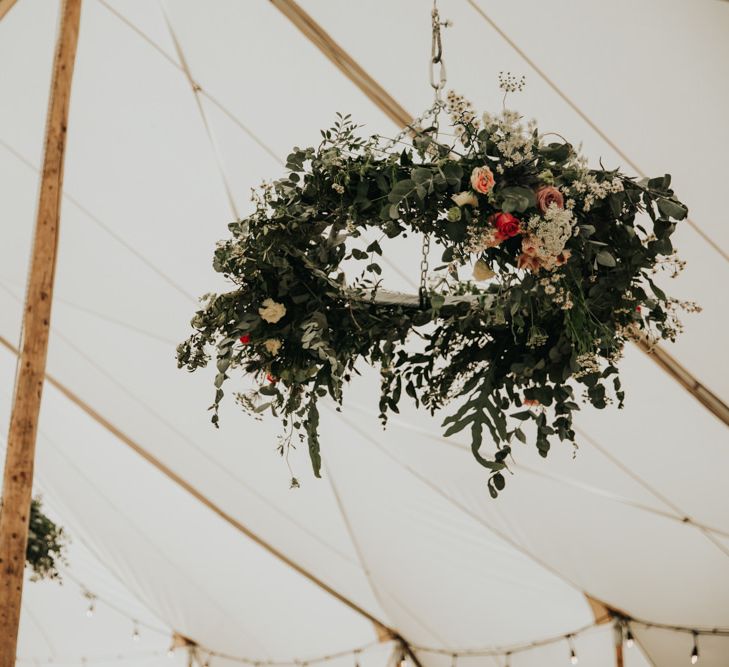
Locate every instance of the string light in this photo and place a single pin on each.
(573, 655)
(507, 661)
(695, 652)
(171, 653)
(356, 657)
(92, 603)
(629, 640)
(135, 632)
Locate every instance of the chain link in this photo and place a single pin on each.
(423, 291)
(437, 82)
(437, 66)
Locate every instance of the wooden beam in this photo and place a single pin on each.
(383, 297)
(381, 629)
(321, 39)
(683, 376)
(18, 476)
(5, 7)
(342, 60)
(605, 614)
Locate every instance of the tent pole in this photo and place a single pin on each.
(18, 476)
(5, 7)
(605, 614)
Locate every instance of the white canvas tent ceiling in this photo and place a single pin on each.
(402, 524)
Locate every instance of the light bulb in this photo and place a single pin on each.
(90, 610)
(629, 641)
(135, 635)
(573, 657)
(170, 654)
(695, 652)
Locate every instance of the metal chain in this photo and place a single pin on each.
(423, 291)
(438, 82)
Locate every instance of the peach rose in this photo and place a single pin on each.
(529, 263)
(548, 195)
(482, 179)
(563, 258)
(530, 246)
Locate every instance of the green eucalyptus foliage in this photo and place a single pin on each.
(487, 357)
(46, 544)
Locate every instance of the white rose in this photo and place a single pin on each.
(465, 198)
(272, 345)
(272, 311)
(482, 271)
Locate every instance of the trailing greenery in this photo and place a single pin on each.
(564, 259)
(46, 544)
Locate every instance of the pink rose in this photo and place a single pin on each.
(548, 195)
(506, 224)
(482, 179)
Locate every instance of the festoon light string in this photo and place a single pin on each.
(622, 623)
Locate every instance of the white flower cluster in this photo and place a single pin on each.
(560, 294)
(461, 113)
(514, 140)
(510, 83)
(589, 364)
(670, 264)
(552, 230)
(593, 190)
(480, 239)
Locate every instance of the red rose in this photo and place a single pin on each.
(245, 339)
(271, 378)
(506, 224)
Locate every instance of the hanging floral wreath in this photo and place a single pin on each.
(563, 263)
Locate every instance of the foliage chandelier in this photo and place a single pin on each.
(563, 260)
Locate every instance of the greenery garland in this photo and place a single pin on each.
(564, 259)
(46, 544)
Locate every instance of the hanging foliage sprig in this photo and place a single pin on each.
(46, 544)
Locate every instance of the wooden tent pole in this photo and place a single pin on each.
(5, 7)
(18, 476)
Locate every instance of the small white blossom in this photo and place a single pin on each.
(272, 345)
